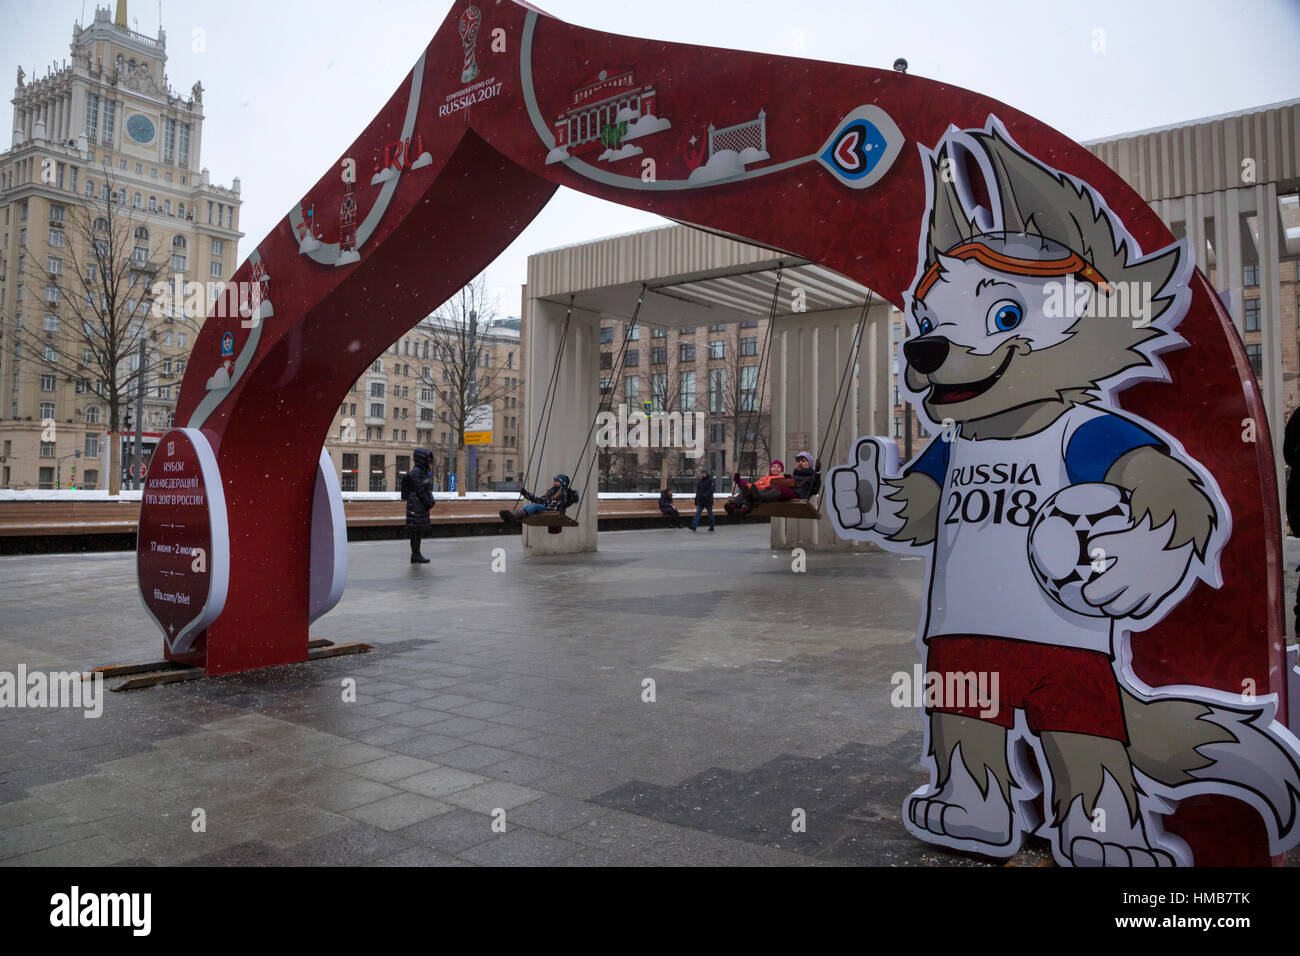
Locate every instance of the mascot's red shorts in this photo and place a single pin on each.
(1059, 688)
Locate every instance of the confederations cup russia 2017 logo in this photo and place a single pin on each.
(469, 24)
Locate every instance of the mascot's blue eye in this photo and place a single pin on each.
(1005, 316)
(925, 326)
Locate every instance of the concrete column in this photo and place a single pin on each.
(1194, 217)
(77, 114)
(1270, 318)
(877, 357)
(1230, 277)
(814, 351)
(574, 407)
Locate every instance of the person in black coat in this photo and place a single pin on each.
(667, 509)
(1291, 455)
(703, 498)
(417, 490)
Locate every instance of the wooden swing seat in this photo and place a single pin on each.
(553, 521)
(796, 508)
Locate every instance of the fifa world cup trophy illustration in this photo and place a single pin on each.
(470, 21)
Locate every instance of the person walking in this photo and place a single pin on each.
(703, 498)
(417, 490)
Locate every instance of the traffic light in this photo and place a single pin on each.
(72, 479)
(128, 418)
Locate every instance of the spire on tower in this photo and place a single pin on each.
(120, 18)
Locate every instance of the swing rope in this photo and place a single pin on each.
(761, 381)
(548, 405)
(615, 373)
(842, 392)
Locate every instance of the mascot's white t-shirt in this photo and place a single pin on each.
(981, 582)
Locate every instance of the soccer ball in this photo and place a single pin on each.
(1059, 554)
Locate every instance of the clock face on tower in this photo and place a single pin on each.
(140, 128)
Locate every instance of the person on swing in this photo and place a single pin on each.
(557, 498)
(775, 486)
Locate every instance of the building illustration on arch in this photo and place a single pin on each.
(610, 110)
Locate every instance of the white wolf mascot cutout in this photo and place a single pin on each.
(1055, 524)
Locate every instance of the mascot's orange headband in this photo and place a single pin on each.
(1073, 264)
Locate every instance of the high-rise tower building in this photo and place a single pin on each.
(103, 127)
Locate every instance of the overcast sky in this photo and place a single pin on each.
(290, 83)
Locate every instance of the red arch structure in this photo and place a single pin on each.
(499, 111)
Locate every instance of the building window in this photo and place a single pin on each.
(686, 352)
(377, 472)
(1250, 275)
(215, 270)
(1252, 315)
(46, 482)
(376, 410)
(658, 390)
(51, 323)
(376, 389)
(348, 475)
(48, 384)
(92, 116)
(606, 360)
(1255, 353)
(658, 334)
(717, 389)
(688, 392)
(686, 331)
(749, 346)
(632, 390)
(606, 335)
(92, 445)
(605, 386)
(218, 247)
(749, 388)
(633, 333)
(659, 355)
(92, 415)
(47, 449)
(717, 350)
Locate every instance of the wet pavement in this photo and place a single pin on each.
(502, 718)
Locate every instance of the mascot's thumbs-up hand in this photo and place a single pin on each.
(856, 488)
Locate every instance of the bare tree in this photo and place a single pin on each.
(98, 293)
(464, 358)
(741, 406)
(666, 393)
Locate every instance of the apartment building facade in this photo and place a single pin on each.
(408, 399)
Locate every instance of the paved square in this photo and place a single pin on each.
(512, 698)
